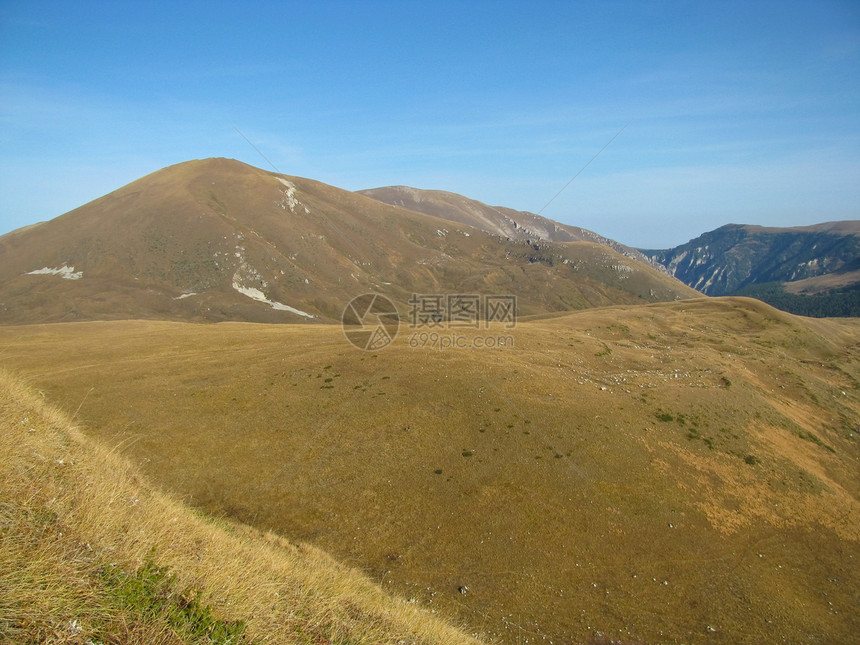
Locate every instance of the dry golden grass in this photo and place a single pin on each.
(649, 473)
(69, 508)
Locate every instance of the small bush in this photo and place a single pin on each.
(148, 592)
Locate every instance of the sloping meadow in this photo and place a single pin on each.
(673, 472)
(92, 554)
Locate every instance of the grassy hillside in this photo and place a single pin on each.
(89, 553)
(685, 472)
(498, 220)
(216, 239)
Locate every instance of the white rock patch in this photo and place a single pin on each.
(290, 200)
(255, 294)
(65, 272)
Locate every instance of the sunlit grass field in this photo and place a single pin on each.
(91, 554)
(682, 472)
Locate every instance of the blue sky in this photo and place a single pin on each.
(744, 112)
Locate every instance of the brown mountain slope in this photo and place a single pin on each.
(497, 220)
(671, 473)
(217, 239)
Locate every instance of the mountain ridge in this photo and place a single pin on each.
(804, 269)
(217, 239)
(498, 220)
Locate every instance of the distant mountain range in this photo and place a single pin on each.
(217, 239)
(810, 270)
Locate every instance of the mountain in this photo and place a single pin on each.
(217, 239)
(683, 472)
(497, 220)
(639, 472)
(806, 269)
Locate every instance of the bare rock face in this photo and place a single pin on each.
(810, 270)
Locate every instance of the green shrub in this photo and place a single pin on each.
(148, 593)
